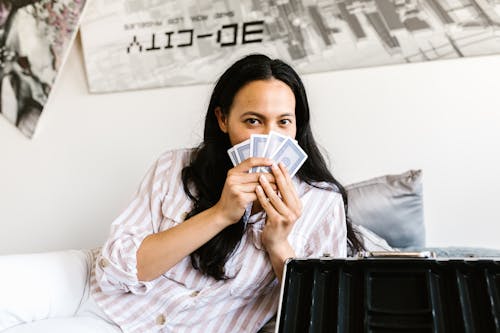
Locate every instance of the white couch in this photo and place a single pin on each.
(44, 292)
(48, 293)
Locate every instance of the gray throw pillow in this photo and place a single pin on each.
(391, 206)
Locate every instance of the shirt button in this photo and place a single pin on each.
(103, 263)
(194, 293)
(161, 320)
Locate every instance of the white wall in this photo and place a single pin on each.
(63, 188)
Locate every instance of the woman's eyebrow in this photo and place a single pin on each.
(252, 113)
(257, 114)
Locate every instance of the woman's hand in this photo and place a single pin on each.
(282, 210)
(240, 189)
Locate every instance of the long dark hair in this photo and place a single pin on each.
(210, 163)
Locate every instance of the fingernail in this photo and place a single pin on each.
(274, 166)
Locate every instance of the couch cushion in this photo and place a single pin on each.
(460, 251)
(391, 206)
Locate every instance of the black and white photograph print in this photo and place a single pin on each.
(136, 44)
(34, 39)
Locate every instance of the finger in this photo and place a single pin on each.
(269, 176)
(248, 178)
(289, 181)
(250, 187)
(251, 196)
(274, 199)
(246, 188)
(251, 162)
(285, 173)
(286, 189)
(244, 201)
(264, 201)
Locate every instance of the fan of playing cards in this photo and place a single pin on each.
(277, 147)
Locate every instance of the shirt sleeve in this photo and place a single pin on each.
(116, 265)
(330, 235)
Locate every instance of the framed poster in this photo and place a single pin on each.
(133, 44)
(35, 36)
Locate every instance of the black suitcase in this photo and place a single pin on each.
(387, 294)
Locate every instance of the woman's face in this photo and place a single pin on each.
(258, 108)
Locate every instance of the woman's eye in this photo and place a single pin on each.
(285, 121)
(252, 121)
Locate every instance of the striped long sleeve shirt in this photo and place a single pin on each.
(183, 300)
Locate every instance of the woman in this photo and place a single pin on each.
(183, 257)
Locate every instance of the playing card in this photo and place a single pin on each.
(233, 156)
(257, 146)
(291, 155)
(275, 146)
(242, 150)
(274, 140)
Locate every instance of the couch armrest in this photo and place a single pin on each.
(40, 286)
